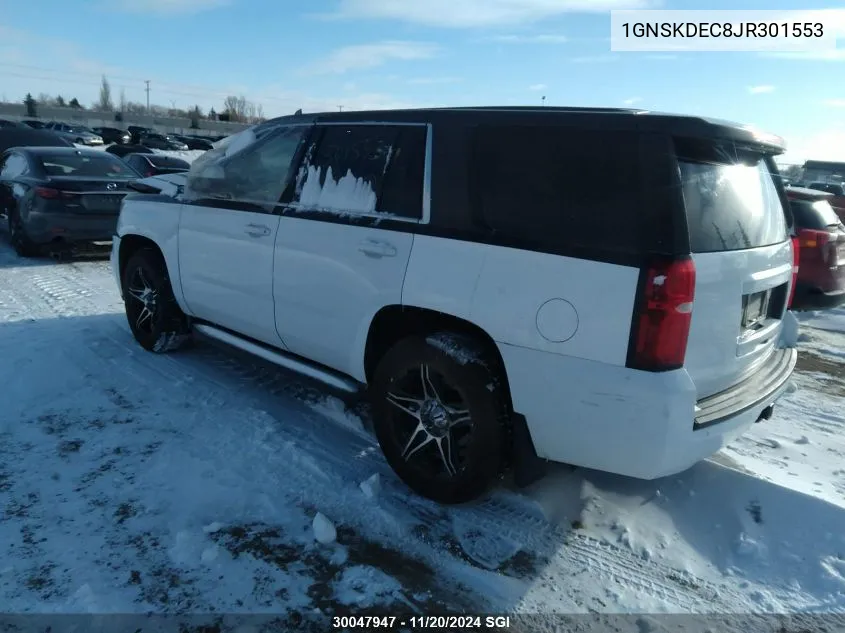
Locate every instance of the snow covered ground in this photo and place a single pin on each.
(205, 482)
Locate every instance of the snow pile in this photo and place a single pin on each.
(371, 486)
(346, 194)
(324, 529)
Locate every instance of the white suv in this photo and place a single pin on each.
(603, 288)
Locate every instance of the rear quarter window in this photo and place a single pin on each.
(813, 214)
(731, 200)
(559, 187)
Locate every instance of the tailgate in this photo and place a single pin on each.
(743, 262)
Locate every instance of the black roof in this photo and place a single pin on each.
(29, 137)
(42, 150)
(616, 118)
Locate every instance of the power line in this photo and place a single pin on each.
(61, 77)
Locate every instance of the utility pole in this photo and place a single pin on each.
(544, 101)
(340, 108)
(148, 94)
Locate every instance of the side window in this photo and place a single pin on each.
(559, 186)
(256, 174)
(364, 169)
(15, 165)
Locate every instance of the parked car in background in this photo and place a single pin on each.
(113, 135)
(27, 137)
(5, 123)
(162, 141)
(470, 326)
(821, 241)
(34, 124)
(78, 134)
(137, 131)
(124, 150)
(193, 142)
(837, 195)
(154, 164)
(59, 197)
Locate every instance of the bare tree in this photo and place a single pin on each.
(105, 103)
(236, 108)
(45, 99)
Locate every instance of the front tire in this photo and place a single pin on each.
(156, 320)
(23, 246)
(441, 417)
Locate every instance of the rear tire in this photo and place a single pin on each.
(441, 416)
(156, 320)
(23, 246)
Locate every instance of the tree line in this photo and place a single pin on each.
(237, 109)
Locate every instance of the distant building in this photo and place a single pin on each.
(823, 171)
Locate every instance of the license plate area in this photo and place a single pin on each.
(759, 307)
(102, 203)
(755, 308)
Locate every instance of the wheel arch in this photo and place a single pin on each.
(395, 322)
(131, 242)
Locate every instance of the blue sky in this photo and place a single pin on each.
(396, 53)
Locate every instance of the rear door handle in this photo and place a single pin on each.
(257, 230)
(377, 248)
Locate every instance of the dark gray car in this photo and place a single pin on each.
(60, 197)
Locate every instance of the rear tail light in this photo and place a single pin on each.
(824, 241)
(796, 256)
(664, 313)
(149, 173)
(48, 193)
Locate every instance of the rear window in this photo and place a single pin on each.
(811, 214)
(168, 161)
(731, 199)
(85, 166)
(560, 185)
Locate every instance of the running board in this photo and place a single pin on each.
(325, 376)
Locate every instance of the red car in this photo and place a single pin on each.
(821, 239)
(837, 198)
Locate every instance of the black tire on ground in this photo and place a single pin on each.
(23, 246)
(461, 377)
(156, 320)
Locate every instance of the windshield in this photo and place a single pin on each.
(84, 165)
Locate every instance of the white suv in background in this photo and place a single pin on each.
(603, 288)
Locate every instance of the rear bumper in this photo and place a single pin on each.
(754, 393)
(628, 422)
(809, 295)
(44, 228)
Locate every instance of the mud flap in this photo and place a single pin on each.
(789, 331)
(527, 466)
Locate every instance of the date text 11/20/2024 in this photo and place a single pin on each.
(421, 622)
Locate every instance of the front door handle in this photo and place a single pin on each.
(377, 248)
(257, 230)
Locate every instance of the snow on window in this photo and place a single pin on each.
(345, 194)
